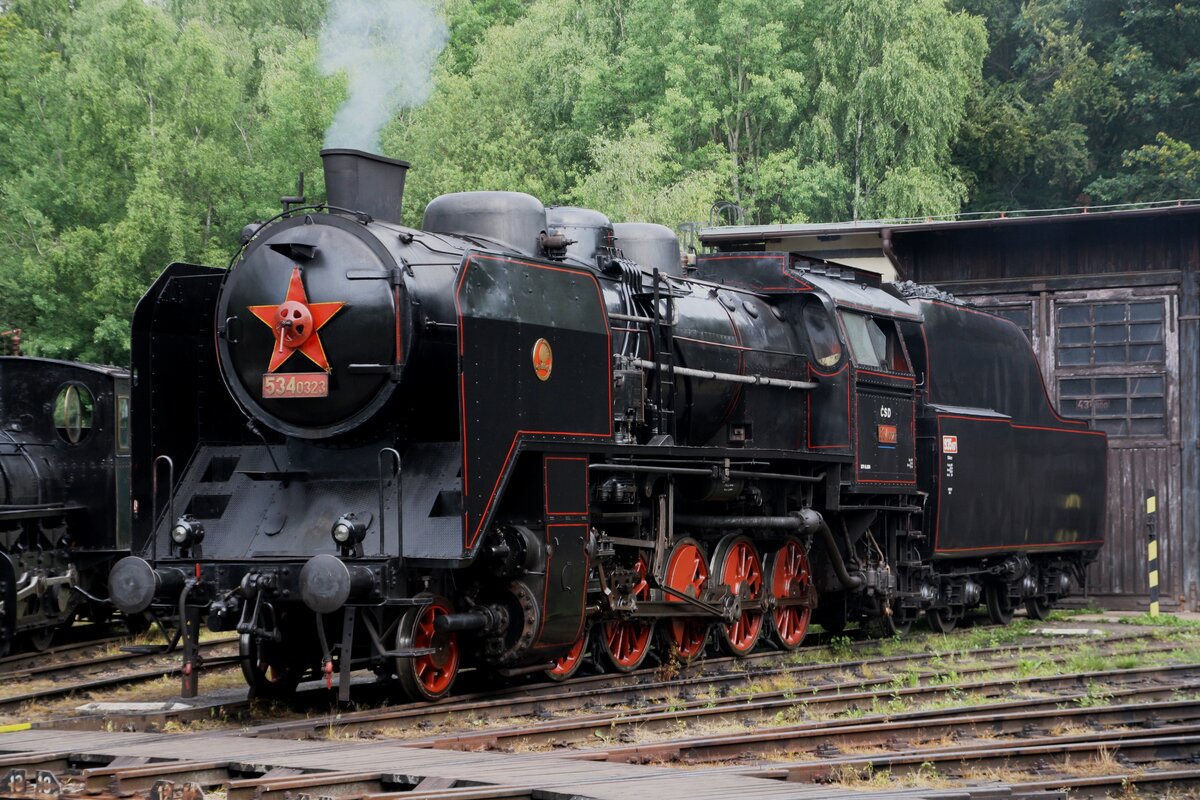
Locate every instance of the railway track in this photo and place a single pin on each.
(116, 669)
(24, 662)
(640, 686)
(619, 696)
(838, 698)
(953, 719)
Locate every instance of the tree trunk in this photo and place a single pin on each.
(858, 134)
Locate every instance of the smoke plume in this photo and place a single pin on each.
(387, 49)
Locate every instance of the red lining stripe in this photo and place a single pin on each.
(1029, 344)
(1016, 546)
(909, 378)
(546, 487)
(546, 587)
(1020, 427)
(839, 371)
(469, 536)
(937, 527)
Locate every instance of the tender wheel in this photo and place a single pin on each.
(269, 673)
(999, 604)
(687, 572)
(569, 662)
(40, 639)
(941, 620)
(1038, 608)
(737, 565)
(428, 676)
(789, 577)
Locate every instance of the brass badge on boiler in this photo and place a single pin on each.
(543, 359)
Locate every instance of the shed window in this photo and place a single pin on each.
(1021, 316)
(1096, 334)
(1133, 405)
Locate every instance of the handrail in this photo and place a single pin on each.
(154, 502)
(399, 502)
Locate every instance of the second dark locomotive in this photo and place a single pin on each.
(64, 493)
(481, 442)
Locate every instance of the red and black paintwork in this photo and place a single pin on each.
(994, 440)
(521, 442)
(64, 492)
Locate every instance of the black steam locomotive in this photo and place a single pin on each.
(64, 493)
(487, 440)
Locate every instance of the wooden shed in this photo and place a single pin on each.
(1110, 302)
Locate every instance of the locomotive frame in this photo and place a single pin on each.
(632, 453)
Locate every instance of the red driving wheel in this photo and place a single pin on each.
(737, 565)
(790, 577)
(686, 573)
(568, 663)
(428, 676)
(625, 642)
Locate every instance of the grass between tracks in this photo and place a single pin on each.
(949, 660)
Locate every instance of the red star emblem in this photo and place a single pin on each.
(296, 323)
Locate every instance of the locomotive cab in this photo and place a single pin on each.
(883, 385)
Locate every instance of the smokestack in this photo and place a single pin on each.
(365, 182)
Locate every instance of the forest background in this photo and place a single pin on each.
(136, 133)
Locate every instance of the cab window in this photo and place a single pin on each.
(73, 413)
(122, 423)
(822, 338)
(874, 342)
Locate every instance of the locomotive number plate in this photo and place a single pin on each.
(298, 385)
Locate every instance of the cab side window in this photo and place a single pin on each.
(874, 342)
(826, 349)
(73, 408)
(122, 423)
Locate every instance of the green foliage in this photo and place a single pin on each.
(134, 133)
(1083, 102)
(1161, 621)
(894, 78)
(1168, 168)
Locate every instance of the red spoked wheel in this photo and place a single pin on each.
(569, 662)
(430, 675)
(790, 577)
(687, 573)
(736, 564)
(625, 642)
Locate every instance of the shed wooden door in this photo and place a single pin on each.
(1112, 357)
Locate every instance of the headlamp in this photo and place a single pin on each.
(187, 531)
(348, 530)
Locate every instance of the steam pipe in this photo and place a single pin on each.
(806, 521)
(728, 377)
(815, 523)
(713, 521)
